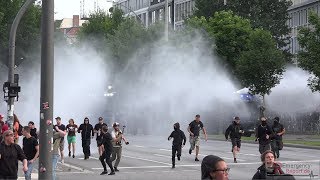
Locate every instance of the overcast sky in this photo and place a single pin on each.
(67, 8)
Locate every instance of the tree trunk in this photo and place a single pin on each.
(262, 107)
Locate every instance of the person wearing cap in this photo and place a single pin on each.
(214, 168)
(194, 129)
(276, 140)
(97, 131)
(87, 134)
(235, 132)
(62, 127)
(179, 140)
(264, 135)
(33, 129)
(10, 154)
(117, 138)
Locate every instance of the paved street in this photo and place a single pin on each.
(150, 158)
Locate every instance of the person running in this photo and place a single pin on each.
(263, 135)
(62, 127)
(106, 151)
(10, 154)
(117, 137)
(33, 129)
(57, 137)
(87, 133)
(276, 140)
(177, 144)
(30, 149)
(71, 129)
(194, 130)
(214, 167)
(97, 131)
(235, 132)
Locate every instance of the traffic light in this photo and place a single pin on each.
(11, 90)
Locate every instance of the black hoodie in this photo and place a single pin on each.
(177, 136)
(86, 130)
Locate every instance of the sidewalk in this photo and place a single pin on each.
(289, 140)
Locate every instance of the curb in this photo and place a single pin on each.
(285, 144)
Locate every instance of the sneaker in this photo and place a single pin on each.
(116, 169)
(112, 173)
(178, 158)
(173, 166)
(104, 172)
(69, 153)
(196, 159)
(190, 151)
(235, 161)
(73, 156)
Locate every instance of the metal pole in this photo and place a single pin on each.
(46, 96)
(166, 21)
(11, 62)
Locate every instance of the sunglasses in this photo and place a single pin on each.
(223, 170)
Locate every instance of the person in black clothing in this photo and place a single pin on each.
(276, 140)
(106, 140)
(194, 130)
(178, 136)
(263, 135)
(235, 132)
(97, 130)
(62, 127)
(30, 149)
(87, 133)
(33, 129)
(10, 153)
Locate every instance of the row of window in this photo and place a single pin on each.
(183, 10)
(300, 17)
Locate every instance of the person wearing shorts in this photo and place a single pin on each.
(97, 131)
(194, 130)
(235, 131)
(62, 127)
(71, 129)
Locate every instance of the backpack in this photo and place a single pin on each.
(20, 130)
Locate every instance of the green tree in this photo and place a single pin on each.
(309, 56)
(260, 68)
(28, 33)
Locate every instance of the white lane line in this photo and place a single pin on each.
(150, 167)
(247, 154)
(138, 146)
(165, 150)
(160, 155)
(223, 157)
(146, 160)
(73, 167)
(91, 157)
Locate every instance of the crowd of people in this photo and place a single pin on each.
(109, 146)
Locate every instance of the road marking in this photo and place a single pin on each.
(223, 157)
(150, 167)
(160, 155)
(146, 160)
(73, 167)
(165, 150)
(91, 157)
(138, 146)
(247, 154)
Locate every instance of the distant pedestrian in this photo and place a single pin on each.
(235, 132)
(269, 167)
(276, 140)
(117, 137)
(106, 151)
(33, 129)
(62, 127)
(71, 129)
(194, 129)
(263, 135)
(57, 137)
(97, 131)
(179, 140)
(214, 168)
(30, 149)
(10, 154)
(87, 134)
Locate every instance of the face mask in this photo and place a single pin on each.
(276, 122)
(263, 123)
